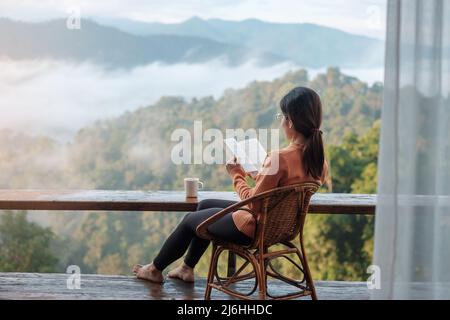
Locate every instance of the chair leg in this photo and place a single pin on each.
(313, 293)
(231, 264)
(262, 277)
(311, 284)
(210, 278)
(308, 276)
(310, 281)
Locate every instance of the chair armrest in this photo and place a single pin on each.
(201, 229)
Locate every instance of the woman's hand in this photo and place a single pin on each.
(233, 165)
(253, 174)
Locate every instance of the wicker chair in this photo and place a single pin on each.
(280, 221)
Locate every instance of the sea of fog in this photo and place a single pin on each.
(58, 98)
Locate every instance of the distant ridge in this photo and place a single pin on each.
(309, 45)
(119, 43)
(112, 47)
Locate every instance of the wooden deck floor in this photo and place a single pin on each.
(25, 286)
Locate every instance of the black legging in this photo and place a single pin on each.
(185, 235)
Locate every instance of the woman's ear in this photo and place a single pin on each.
(290, 124)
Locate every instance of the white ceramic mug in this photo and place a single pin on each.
(191, 186)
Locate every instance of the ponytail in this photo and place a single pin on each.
(314, 155)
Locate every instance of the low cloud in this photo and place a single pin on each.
(58, 98)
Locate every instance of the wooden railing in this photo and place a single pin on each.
(167, 201)
(118, 200)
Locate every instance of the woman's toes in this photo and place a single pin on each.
(182, 274)
(136, 268)
(172, 273)
(148, 273)
(175, 273)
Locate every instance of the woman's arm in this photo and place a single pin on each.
(265, 180)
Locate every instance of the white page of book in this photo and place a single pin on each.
(250, 153)
(255, 152)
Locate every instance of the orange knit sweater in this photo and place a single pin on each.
(290, 171)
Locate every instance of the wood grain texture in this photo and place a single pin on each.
(125, 200)
(48, 286)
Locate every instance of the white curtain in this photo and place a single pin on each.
(412, 223)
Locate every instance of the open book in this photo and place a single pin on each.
(249, 152)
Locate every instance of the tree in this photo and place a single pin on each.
(24, 246)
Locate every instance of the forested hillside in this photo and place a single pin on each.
(133, 152)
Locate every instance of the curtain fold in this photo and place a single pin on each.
(412, 223)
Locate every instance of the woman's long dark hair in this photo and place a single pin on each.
(304, 108)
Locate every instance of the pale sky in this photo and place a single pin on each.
(365, 17)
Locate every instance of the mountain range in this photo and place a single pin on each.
(121, 43)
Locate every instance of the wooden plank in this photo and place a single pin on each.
(47, 286)
(121, 200)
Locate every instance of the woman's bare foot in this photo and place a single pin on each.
(148, 272)
(183, 272)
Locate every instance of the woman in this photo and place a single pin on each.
(303, 160)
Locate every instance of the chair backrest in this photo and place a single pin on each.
(283, 213)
